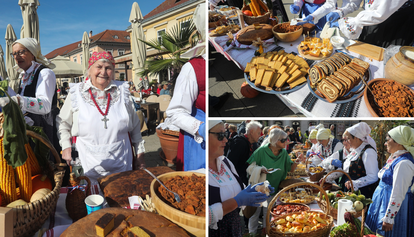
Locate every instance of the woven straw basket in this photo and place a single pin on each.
(333, 211)
(250, 20)
(29, 218)
(273, 232)
(313, 177)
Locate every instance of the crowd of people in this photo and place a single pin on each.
(244, 159)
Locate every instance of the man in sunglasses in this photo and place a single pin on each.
(241, 148)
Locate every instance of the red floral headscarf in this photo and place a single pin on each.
(99, 55)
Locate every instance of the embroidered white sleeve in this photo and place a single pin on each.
(369, 158)
(215, 212)
(373, 14)
(64, 121)
(180, 107)
(403, 175)
(45, 89)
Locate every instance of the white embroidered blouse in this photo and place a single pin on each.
(402, 176)
(376, 11)
(229, 188)
(370, 160)
(67, 120)
(180, 107)
(45, 89)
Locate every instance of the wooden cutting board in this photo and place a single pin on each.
(367, 50)
(153, 224)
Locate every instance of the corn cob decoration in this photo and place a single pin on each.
(7, 180)
(24, 180)
(32, 160)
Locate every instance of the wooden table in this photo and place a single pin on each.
(149, 106)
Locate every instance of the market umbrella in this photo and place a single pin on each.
(30, 28)
(3, 72)
(85, 51)
(139, 53)
(11, 72)
(66, 68)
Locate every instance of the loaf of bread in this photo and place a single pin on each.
(125, 219)
(307, 28)
(252, 32)
(337, 74)
(330, 92)
(118, 187)
(104, 225)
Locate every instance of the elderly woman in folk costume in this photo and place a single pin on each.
(361, 164)
(327, 145)
(391, 213)
(187, 107)
(37, 95)
(101, 115)
(335, 161)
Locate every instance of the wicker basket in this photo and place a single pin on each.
(315, 177)
(29, 218)
(334, 212)
(272, 232)
(250, 20)
(284, 204)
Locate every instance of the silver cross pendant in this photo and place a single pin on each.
(105, 120)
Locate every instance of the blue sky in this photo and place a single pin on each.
(63, 22)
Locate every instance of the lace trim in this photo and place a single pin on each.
(100, 96)
(73, 98)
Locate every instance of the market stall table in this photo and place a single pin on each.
(303, 100)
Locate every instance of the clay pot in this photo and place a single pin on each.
(169, 145)
(400, 67)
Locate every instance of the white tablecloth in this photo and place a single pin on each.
(303, 100)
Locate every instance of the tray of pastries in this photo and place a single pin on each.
(338, 78)
(315, 48)
(276, 72)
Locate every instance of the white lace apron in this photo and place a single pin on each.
(103, 151)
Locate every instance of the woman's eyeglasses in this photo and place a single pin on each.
(283, 140)
(220, 135)
(20, 53)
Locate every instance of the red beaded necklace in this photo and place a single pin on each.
(99, 109)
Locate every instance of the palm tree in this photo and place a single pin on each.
(171, 45)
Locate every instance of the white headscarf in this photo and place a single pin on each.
(34, 47)
(404, 136)
(362, 131)
(312, 134)
(199, 19)
(212, 123)
(323, 134)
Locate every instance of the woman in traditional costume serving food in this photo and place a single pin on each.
(226, 190)
(37, 94)
(382, 23)
(188, 104)
(270, 155)
(362, 163)
(103, 119)
(391, 213)
(327, 146)
(335, 160)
